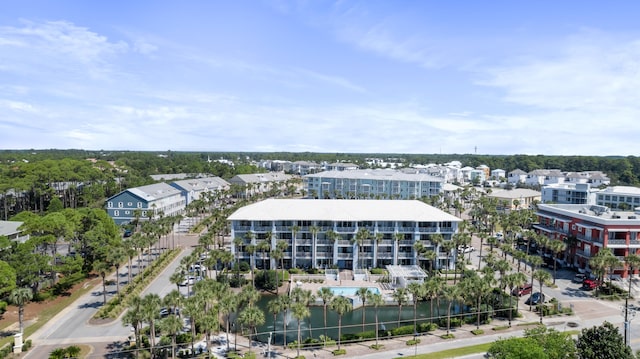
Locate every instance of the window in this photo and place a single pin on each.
(109, 204)
(129, 204)
(139, 204)
(127, 212)
(144, 213)
(116, 213)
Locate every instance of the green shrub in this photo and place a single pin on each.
(477, 331)
(376, 346)
(447, 336)
(378, 271)
(403, 330)
(415, 341)
(3, 306)
(502, 327)
(339, 352)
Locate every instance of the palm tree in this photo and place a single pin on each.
(134, 317)
(209, 322)
(228, 304)
(340, 305)
(274, 306)
(417, 292)
(172, 325)
(400, 296)
(151, 311)
(173, 300)
(314, 230)
(20, 297)
(376, 300)
(264, 247)
(534, 263)
(450, 294)
(299, 311)
(277, 255)
(543, 277)
(632, 261)
(294, 234)
(363, 293)
(326, 294)
(514, 280)
(362, 235)
(252, 317)
(282, 246)
(557, 247)
(102, 267)
(251, 249)
(115, 257)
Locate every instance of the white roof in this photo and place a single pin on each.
(8, 228)
(515, 193)
(377, 174)
(622, 190)
(154, 191)
(342, 210)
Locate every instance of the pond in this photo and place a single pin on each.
(313, 326)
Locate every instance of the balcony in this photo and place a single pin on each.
(345, 255)
(427, 229)
(582, 237)
(385, 255)
(617, 242)
(406, 229)
(405, 242)
(581, 253)
(303, 241)
(343, 242)
(346, 229)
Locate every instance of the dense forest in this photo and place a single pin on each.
(30, 178)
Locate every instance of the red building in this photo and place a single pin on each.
(588, 228)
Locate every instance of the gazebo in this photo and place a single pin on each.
(401, 276)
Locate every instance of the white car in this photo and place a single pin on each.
(499, 235)
(466, 249)
(190, 280)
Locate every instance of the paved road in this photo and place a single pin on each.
(71, 326)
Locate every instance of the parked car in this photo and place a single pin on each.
(166, 311)
(579, 278)
(190, 280)
(589, 284)
(499, 236)
(466, 249)
(128, 233)
(535, 299)
(522, 290)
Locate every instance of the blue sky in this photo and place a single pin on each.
(505, 77)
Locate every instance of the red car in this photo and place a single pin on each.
(589, 284)
(524, 290)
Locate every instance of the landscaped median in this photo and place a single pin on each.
(117, 305)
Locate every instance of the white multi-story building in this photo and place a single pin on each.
(325, 233)
(372, 184)
(569, 193)
(619, 197)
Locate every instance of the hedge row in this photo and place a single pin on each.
(116, 305)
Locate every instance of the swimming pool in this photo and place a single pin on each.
(351, 291)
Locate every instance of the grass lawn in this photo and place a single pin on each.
(454, 353)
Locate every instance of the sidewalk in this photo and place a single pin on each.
(429, 342)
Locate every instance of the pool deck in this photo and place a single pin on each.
(345, 279)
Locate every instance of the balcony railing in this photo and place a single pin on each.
(427, 229)
(346, 229)
(617, 242)
(345, 255)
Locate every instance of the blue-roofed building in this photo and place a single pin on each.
(152, 200)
